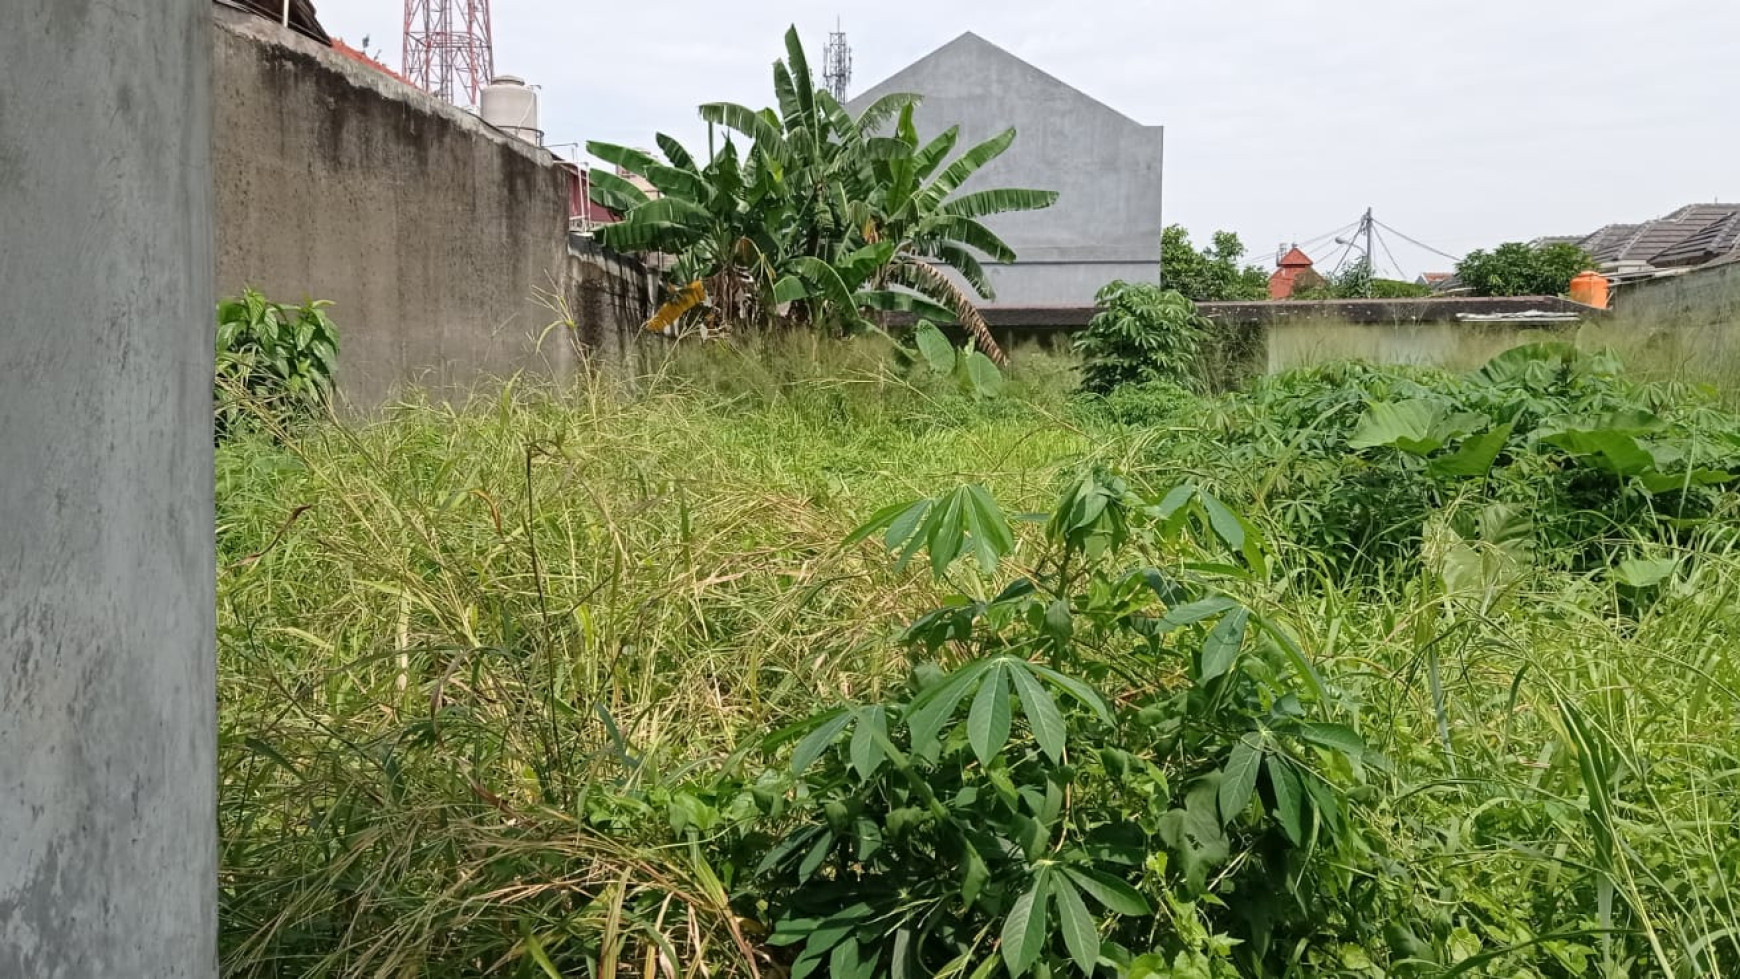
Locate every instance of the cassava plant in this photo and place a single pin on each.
(1111, 764)
(1141, 334)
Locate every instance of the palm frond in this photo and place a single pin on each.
(970, 233)
(878, 113)
(999, 200)
(742, 119)
(632, 160)
(608, 189)
(963, 262)
(969, 163)
(675, 153)
(931, 282)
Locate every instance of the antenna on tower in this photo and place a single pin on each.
(449, 51)
(837, 63)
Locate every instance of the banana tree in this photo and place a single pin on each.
(821, 219)
(937, 230)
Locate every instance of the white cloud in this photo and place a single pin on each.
(1463, 124)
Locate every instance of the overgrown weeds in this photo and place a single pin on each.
(497, 683)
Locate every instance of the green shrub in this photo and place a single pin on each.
(1142, 333)
(275, 363)
(584, 684)
(1123, 747)
(1362, 456)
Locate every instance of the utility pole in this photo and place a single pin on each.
(1367, 226)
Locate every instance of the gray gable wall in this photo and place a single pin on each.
(1105, 166)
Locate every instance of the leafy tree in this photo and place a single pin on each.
(1213, 274)
(1357, 282)
(1518, 269)
(1397, 289)
(821, 218)
(1142, 333)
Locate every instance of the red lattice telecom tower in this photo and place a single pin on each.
(448, 49)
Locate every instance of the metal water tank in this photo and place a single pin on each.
(509, 104)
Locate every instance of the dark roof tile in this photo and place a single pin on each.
(1717, 238)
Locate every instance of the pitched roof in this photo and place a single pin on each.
(1294, 259)
(970, 46)
(1718, 238)
(1644, 242)
(1606, 243)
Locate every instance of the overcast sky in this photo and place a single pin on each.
(1463, 124)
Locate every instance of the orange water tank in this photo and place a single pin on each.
(1590, 289)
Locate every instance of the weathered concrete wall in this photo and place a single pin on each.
(1456, 345)
(1105, 166)
(441, 242)
(107, 665)
(1708, 296)
(1685, 327)
(610, 298)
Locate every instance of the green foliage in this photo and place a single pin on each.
(972, 371)
(1397, 289)
(1518, 269)
(822, 218)
(1007, 814)
(1356, 281)
(1374, 453)
(275, 363)
(1212, 274)
(583, 683)
(1141, 334)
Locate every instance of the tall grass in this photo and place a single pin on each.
(470, 656)
(443, 630)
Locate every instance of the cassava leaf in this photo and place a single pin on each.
(817, 741)
(1221, 649)
(1239, 777)
(989, 718)
(1080, 934)
(1041, 712)
(1194, 612)
(867, 738)
(1339, 737)
(1289, 797)
(1113, 894)
(1223, 521)
(1024, 931)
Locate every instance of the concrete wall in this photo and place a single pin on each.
(610, 298)
(1455, 345)
(1702, 297)
(1106, 167)
(441, 242)
(1686, 326)
(107, 665)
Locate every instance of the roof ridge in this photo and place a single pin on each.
(980, 39)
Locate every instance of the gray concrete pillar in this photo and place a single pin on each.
(107, 670)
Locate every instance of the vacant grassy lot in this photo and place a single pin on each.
(495, 681)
